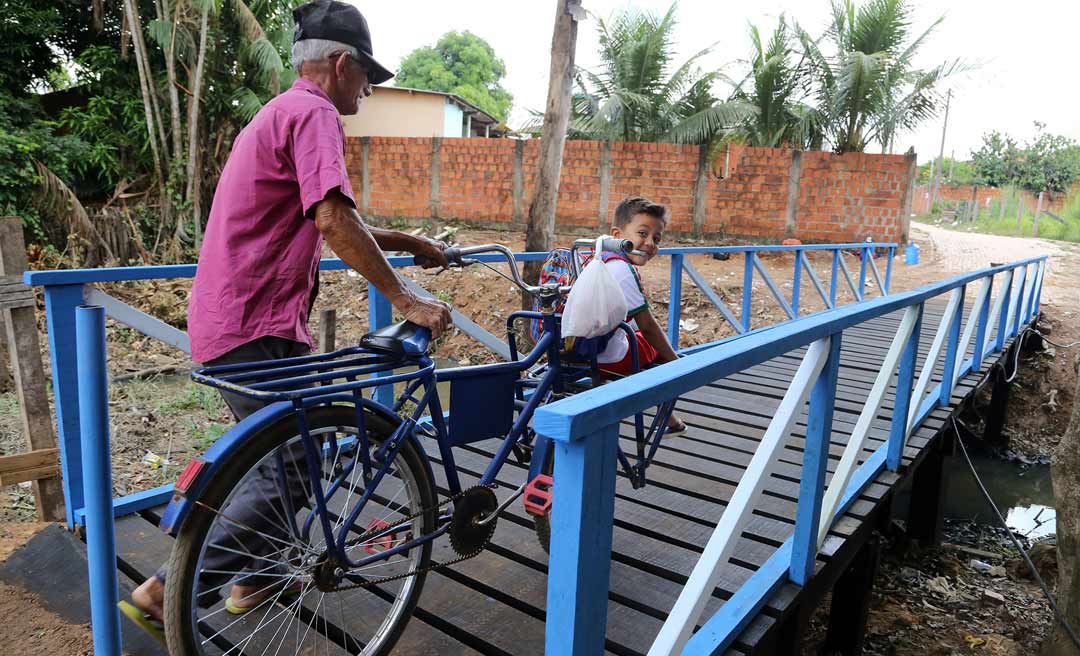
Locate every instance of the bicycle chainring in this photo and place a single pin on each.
(467, 537)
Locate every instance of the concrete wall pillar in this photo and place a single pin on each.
(791, 217)
(436, 142)
(701, 185)
(604, 219)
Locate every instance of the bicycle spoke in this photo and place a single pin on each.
(285, 611)
(216, 588)
(341, 611)
(273, 506)
(291, 610)
(249, 554)
(266, 536)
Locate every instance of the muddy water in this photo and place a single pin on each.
(1022, 493)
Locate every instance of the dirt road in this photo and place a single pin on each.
(953, 252)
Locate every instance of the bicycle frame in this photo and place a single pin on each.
(300, 388)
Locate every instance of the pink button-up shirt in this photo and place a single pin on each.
(259, 262)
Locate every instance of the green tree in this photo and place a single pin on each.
(155, 90)
(997, 161)
(463, 64)
(40, 36)
(30, 142)
(639, 94)
(1050, 162)
(773, 91)
(868, 88)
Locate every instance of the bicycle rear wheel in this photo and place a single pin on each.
(254, 527)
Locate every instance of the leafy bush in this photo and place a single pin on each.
(25, 137)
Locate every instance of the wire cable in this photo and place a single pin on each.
(1016, 358)
(1020, 342)
(1060, 346)
(1027, 559)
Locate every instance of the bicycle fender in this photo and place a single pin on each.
(237, 437)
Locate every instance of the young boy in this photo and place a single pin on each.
(642, 222)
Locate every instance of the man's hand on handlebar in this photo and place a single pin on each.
(427, 312)
(428, 253)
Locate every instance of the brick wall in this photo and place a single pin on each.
(763, 194)
(985, 196)
(853, 196)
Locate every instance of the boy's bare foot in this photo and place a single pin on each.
(150, 597)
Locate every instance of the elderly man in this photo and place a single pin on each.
(285, 189)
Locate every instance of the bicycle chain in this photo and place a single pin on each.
(422, 570)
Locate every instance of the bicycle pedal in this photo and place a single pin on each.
(537, 496)
(385, 542)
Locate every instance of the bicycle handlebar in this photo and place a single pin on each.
(607, 244)
(457, 255)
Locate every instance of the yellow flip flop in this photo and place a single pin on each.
(140, 619)
(286, 597)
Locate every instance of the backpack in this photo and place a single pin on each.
(557, 269)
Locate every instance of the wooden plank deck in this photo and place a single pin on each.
(494, 603)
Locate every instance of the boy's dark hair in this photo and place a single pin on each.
(634, 205)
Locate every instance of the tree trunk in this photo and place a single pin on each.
(170, 72)
(541, 226)
(193, 190)
(143, 59)
(159, 148)
(1065, 472)
(134, 26)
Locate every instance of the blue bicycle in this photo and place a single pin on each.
(322, 508)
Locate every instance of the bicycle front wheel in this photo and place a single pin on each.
(250, 571)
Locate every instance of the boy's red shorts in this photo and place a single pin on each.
(646, 355)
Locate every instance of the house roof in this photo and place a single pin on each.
(478, 115)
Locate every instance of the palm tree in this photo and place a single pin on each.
(868, 87)
(773, 91)
(639, 95)
(232, 80)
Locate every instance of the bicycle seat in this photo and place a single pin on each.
(401, 339)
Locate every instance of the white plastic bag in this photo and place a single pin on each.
(596, 305)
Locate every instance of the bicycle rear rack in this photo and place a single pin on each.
(293, 379)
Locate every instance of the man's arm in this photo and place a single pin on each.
(395, 240)
(351, 240)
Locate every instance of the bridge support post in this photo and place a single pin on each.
(851, 602)
(997, 410)
(926, 521)
(789, 639)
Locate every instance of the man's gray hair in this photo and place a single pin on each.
(316, 49)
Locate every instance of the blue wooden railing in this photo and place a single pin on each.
(67, 289)
(585, 428)
(82, 431)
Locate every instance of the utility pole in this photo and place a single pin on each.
(941, 154)
(541, 226)
(930, 186)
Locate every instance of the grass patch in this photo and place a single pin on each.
(193, 397)
(992, 220)
(203, 437)
(9, 404)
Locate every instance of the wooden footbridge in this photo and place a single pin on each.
(799, 433)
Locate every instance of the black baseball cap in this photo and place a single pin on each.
(341, 22)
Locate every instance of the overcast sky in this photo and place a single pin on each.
(1026, 53)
